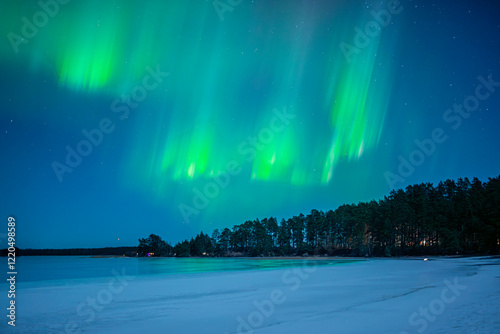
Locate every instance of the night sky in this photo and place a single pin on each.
(124, 118)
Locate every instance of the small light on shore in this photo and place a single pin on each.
(425, 259)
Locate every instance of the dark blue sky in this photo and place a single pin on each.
(188, 117)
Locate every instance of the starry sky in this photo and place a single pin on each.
(119, 119)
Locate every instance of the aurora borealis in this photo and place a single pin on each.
(265, 108)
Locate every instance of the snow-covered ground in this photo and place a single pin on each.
(455, 295)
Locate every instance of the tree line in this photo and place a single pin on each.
(454, 217)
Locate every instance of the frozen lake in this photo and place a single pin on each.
(63, 268)
(120, 295)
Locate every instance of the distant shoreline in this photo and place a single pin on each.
(293, 258)
(130, 252)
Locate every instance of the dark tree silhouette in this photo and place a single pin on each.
(454, 217)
